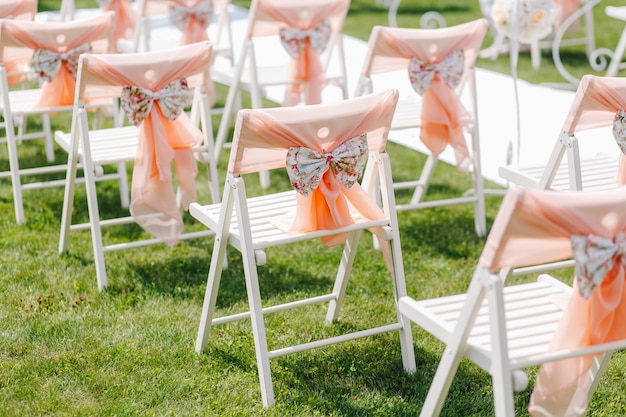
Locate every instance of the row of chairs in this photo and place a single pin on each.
(324, 148)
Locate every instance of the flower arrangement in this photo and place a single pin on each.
(535, 17)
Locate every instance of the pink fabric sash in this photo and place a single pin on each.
(198, 16)
(15, 59)
(125, 19)
(564, 9)
(262, 142)
(595, 105)
(444, 118)
(539, 229)
(57, 37)
(306, 68)
(161, 141)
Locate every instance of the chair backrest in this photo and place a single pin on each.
(599, 102)
(55, 48)
(191, 17)
(438, 63)
(154, 89)
(288, 137)
(539, 226)
(309, 31)
(18, 9)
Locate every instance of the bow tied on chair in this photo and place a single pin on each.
(619, 130)
(137, 102)
(294, 40)
(450, 70)
(595, 256)
(181, 15)
(306, 167)
(48, 63)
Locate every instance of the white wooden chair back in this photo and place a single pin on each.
(21, 40)
(447, 57)
(600, 102)
(309, 66)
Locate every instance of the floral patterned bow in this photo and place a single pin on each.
(595, 256)
(180, 15)
(137, 102)
(619, 130)
(47, 63)
(450, 70)
(294, 40)
(306, 166)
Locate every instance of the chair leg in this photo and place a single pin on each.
(14, 167)
(454, 351)
(210, 296)
(343, 275)
(47, 134)
(424, 181)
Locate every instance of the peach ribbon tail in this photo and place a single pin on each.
(562, 386)
(443, 122)
(60, 91)
(125, 20)
(153, 202)
(307, 69)
(327, 208)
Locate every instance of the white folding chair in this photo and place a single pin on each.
(53, 48)
(593, 111)
(154, 88)
(311, 35)
(505, 329)
(164, 24)
(437, 66)
(336, 139)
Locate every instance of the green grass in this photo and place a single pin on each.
(67, 349)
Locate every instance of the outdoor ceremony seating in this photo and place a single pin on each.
(53, 48)
(163, 142)
(504, 329)
(438, 109)
(311, 33)
(323, 148)
(599, 102)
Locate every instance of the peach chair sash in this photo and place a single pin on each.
(57, 37)
(599, 102)
(15, 59)
(444, 117)
(125, 18)
(271, 16)
(18, 9)
(162, 140)
(564, 9)
(536, 226)
(262, 141)
(191, 19)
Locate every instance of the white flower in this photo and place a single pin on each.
(535, 18)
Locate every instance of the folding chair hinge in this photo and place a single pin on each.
(566, 139)
(487, 279)
(98, 171)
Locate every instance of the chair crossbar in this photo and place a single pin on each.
(333, 340)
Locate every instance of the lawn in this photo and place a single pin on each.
(67, 349)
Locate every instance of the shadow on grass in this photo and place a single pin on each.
(368, 379)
